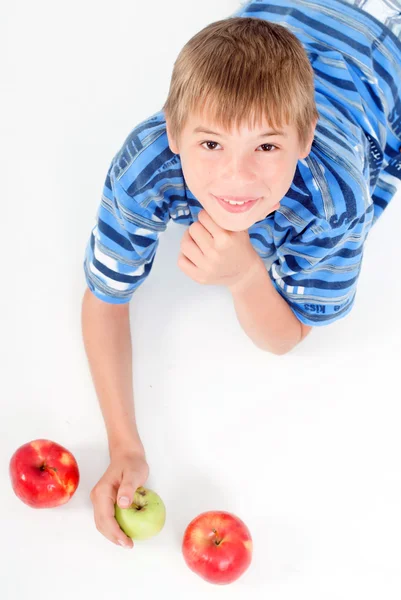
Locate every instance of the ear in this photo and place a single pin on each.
(171, 141)
(309, 142)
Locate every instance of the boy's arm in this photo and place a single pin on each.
(264, 315)
(107, 340)
(212, 255)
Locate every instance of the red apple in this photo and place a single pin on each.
(43, 474)
(217, 546)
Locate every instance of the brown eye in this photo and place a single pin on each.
(209, 142)
(268, 146)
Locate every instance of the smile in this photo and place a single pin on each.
(234, 206)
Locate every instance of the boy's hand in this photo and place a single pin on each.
(212, 255)
(127, 472)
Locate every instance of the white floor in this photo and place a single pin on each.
(305, 448)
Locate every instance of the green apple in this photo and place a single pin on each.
(144, 518)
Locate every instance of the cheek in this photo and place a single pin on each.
(197, 172)
(280, 168)
(281, 176)
(283, 182)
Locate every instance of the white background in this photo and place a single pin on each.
(305, 447)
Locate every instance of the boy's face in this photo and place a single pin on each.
(242, 163)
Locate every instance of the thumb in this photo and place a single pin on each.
(125, 494)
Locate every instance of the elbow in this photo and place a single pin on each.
(278, 351)
(305, 330)
(286, 346)
(282, 351)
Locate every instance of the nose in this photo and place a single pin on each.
(241, 170)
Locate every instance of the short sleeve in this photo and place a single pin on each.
(317, 271)
(120, 252)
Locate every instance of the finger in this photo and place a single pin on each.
(190, 249)
(201, 236)
(105, 517)
(127, 489)
(190, 269)
(206, 220)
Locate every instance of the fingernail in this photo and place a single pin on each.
(123, 544)
(123, 501)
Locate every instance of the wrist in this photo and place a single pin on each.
(252, 274)
(132, 445)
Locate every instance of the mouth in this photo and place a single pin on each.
(236, 207)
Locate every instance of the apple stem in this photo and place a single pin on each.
(44, 467)
(216, 541)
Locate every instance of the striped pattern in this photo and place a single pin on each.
(313, 245)
(386, 11)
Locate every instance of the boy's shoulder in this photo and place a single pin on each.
(150, 175)
(144, 153)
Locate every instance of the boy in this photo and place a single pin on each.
(279, 145)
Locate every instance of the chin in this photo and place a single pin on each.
(236, 224)
(239, 222)
(238, 227)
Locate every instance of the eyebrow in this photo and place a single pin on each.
(202, 129)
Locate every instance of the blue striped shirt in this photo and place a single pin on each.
(313, 244)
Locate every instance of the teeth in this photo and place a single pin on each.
(232, 202)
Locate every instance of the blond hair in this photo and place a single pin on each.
(243, 68)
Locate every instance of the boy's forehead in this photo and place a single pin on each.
(205, 123)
